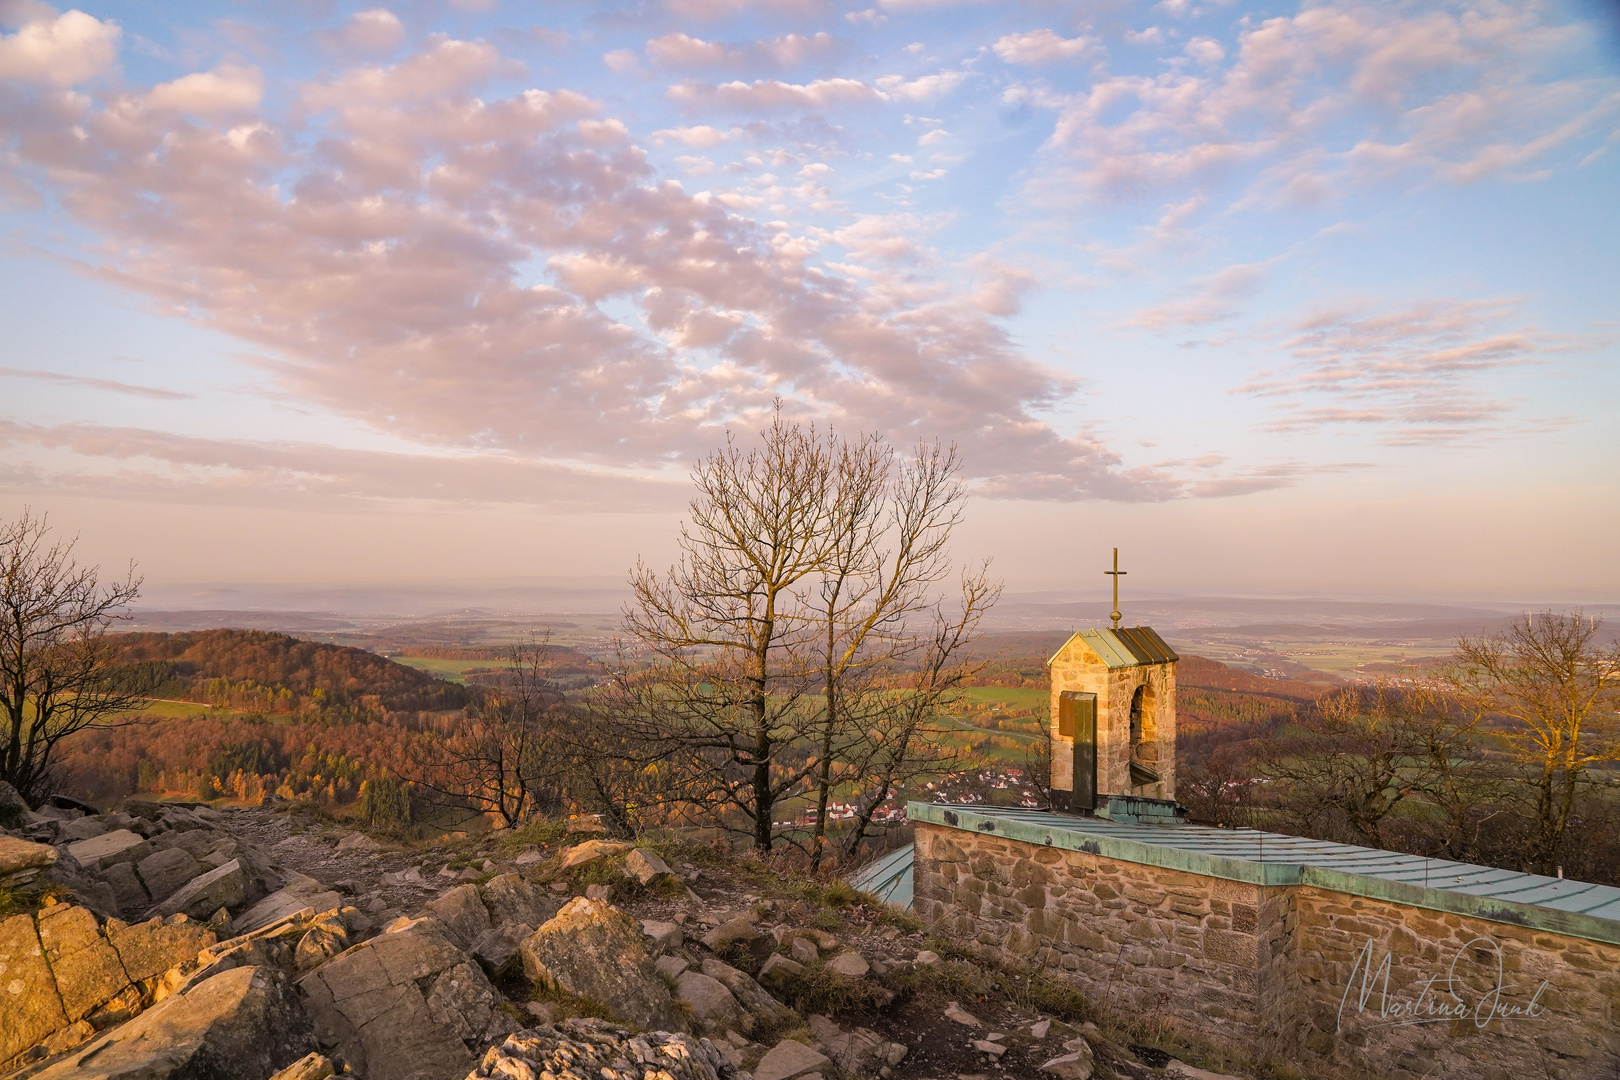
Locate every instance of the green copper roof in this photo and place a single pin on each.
(1560, 905)
(888, 877)
(1126, 646)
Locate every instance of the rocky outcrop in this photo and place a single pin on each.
(407, 1003)
(22, 861)
(239, 1025)
(591, 1048)
(65, 977)
(595, 951)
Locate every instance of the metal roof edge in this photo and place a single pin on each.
(1268, 873)
(1061, 647)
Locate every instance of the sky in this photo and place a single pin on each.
(1278, 298)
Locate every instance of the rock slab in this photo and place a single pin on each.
(595, 951)
(595, 1048)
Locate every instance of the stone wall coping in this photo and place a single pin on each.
(1562, 906)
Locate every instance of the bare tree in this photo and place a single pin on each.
(1557, 691)
(502, 757)
(890, 527)
(724, 697)
(55, 677)
(1358, 753)
(901, 743)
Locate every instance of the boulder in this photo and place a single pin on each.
(594, 1048)
(82, 829)
(670, 967)
(851, 965)
(30, 1009)
(665, 935)
(197, 843)
(778, 971)
(463, 914)
(754, 998)
(21, 861)
(495, 947)
(463, 1000)
(368, 1005)
(163, 872)
(804, 950)
(321, 942)
(595, 951)
(225, 887)
(738, 929)
(242, 1024)
(509, 898)
(646, 867)
(788, 1059)
(300, 892)
(120, 845)
(590, 851)
(128, 892)
(712, 1004)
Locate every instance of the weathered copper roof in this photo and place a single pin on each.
(1124, 647)
(1563, 905)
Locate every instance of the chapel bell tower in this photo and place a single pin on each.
(1113, 715)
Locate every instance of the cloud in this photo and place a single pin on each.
(96, 384)
(1041, 47)
(370, 34)
(228, 88)
(773, 94)
(702, 136)
(1211, 299)
(507, 277)
(1337, 93)
(1415, 374)
(922, 90)
(139, 463)
(680, 50)
(65, 51)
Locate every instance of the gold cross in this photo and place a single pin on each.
(1116, 573)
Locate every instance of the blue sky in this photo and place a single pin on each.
(1279, 297)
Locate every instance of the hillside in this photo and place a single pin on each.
(257, 670)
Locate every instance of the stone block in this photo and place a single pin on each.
(225, 887)
(150, 948)
(87, 969)
(108, 848)
(789, 1059)
(163, 872)
(30, 1008)
(463, 914)
(713, 1006)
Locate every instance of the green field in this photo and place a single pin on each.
(450, 670)
(1008, 697)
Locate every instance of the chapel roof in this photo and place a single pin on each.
(1123, 647)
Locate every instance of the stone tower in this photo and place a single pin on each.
(1113, 718)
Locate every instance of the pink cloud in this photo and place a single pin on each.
(434, 263)
(61, 52)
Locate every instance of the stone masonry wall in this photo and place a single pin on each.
(1242, 962)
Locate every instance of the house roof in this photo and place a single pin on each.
(1124, 647)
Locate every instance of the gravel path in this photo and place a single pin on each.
(379, 881)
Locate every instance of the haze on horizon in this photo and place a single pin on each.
(1279, 298)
